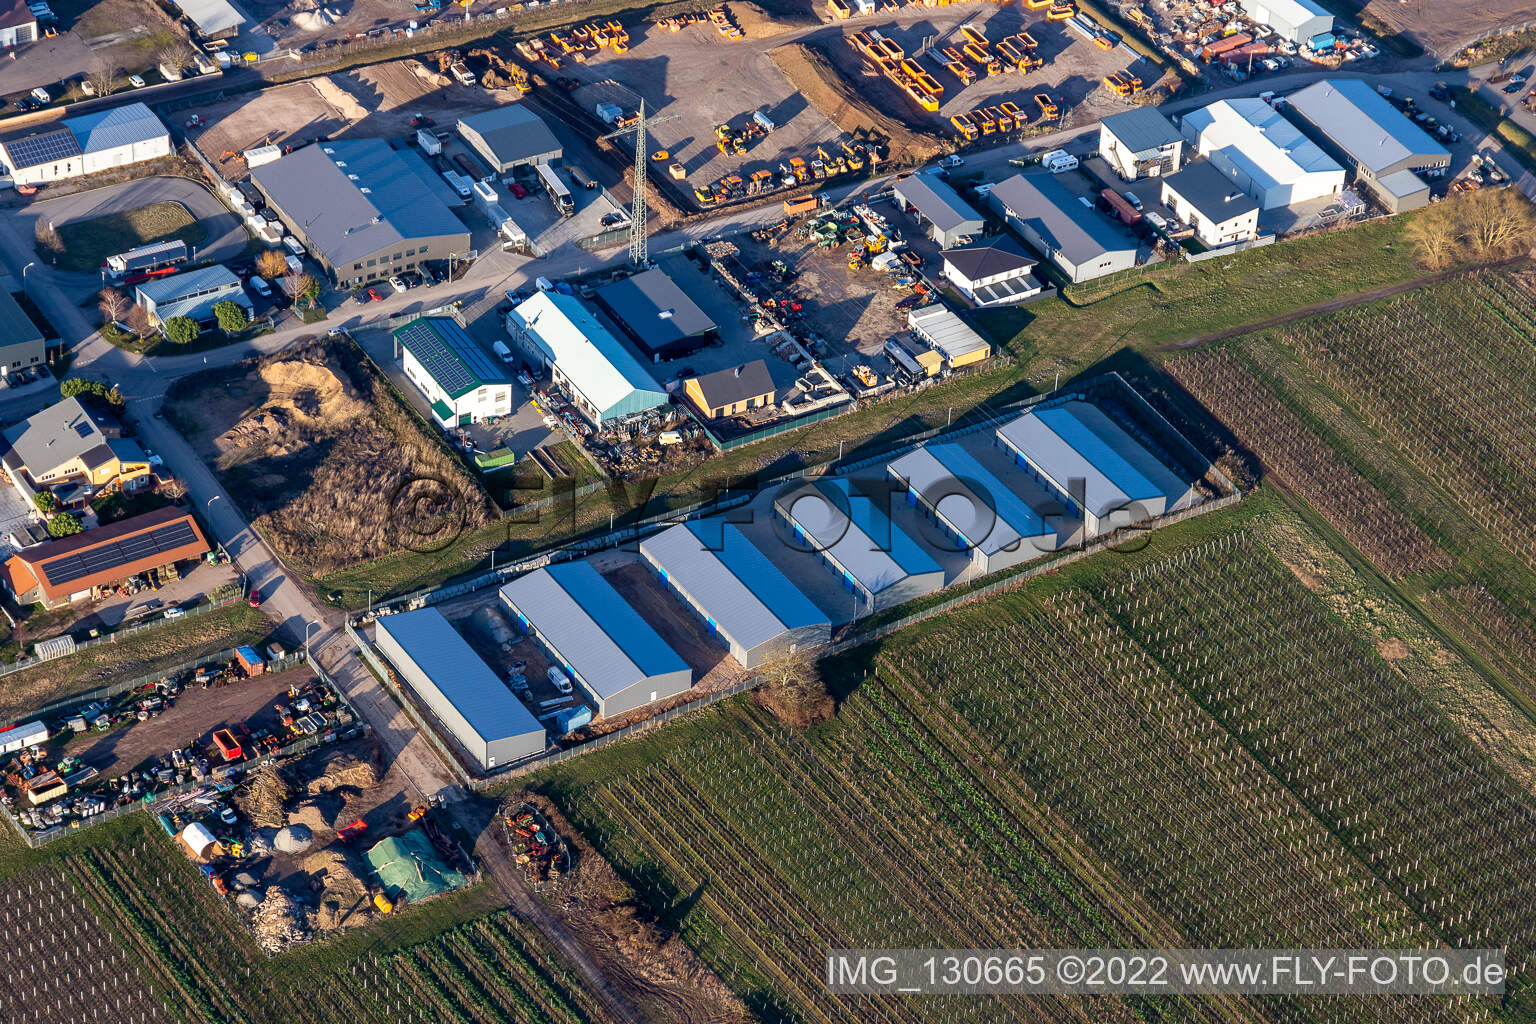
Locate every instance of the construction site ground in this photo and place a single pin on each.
(377, 101)
(700, 79)
(190, 720)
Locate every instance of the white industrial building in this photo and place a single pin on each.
(1296, 20)
(742, 597)
(460, 381)
(992, 272)
(854, 537)
(977, 511)
(87, 144)
(596, 637)
(1268, 157)
(944, 332)
(1089, 463)
(585, 360)
(1220, 212)
(950, 219)
(458, 687)
(1140, 143)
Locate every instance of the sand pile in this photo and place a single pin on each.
(313, 817)
(344, 899)
(294, 839)
(314, 21)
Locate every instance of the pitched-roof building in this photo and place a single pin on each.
(460, 381)
(86, 144)
(1077, 239)
(214, 19)
(1140, 143)
(731, 391)
(21, 342)
(510, 136)
(596, 637)
(1357, 125)
(360, 210)
(17, 24)
(191, 293)
(950, 219)
(1296, 20)
(948, 335)
(65, 447)
(744, 599)
(585, 360)
(1263, 153)
(992, 271)
(657, 314)
(1221, 212)
(72, 569)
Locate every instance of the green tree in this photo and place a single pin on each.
(65, 524)
(181, 330)
(45, 501)
(231, 316)
(75, 386)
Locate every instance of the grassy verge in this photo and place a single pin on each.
(1519, 142)
(158, 345)
(137, 654)
(83, 245)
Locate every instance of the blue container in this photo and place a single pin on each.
(574, 718)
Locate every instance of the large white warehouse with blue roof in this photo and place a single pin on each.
(853, 535)
(597, 636)
(742, 597)
(1097, 470)
(459, 688)
(975, 509)
(604, 380)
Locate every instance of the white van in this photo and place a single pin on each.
(559, 679)
(502, 352)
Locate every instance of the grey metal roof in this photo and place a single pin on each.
(512, 132)
(1402, 183)
(732, 581)
(988, 257)
(175, 286)
(16, 328)
(736, 384)
(969, 497)
(459, 674)
(1078, 232)
(855, 533)
(1076, 441)
(1212, 193)
(1141, 129)
(119, 126)
(655, 309)
(354, 198)
(211, 16)
(1361, 122)
(937, 202)
(603, 639)
(50, 438)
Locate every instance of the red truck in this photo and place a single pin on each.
(228, 745)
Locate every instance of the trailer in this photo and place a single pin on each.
(18, 737)
(155, 256)
(558, 193)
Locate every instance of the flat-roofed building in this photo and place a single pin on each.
(596, 637)
(1386, 150)
(21, 341)
(1140, 143)
(1093, 467)
(852, 534)
(976, 511)
(744, 600)
(459, 688)
(950, 219)
(1220, 212)
(1264, 154)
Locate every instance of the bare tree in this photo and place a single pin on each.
(793, 691)
(1497, 224)
(173, 488)
(138, 322)
(1434, 233)
(114, 305)
(103, 78)
(176, 56)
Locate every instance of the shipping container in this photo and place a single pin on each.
(249, 660)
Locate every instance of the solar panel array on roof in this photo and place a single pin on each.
(90, 561)
(435, 358)
(450, 355)
(47, 147)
